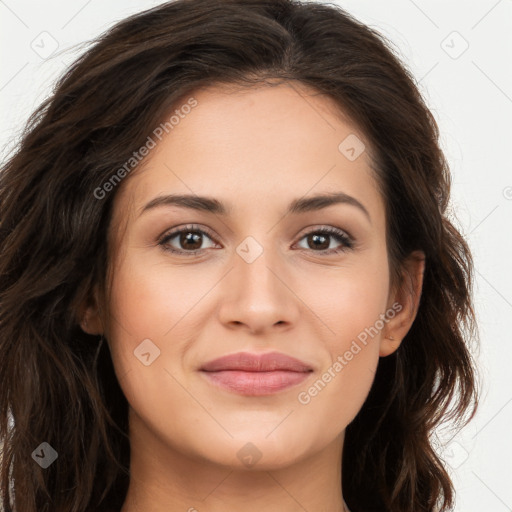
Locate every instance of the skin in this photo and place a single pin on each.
(255, 150)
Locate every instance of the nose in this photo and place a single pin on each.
(258, 297)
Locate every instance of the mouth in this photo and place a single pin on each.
(256, 374)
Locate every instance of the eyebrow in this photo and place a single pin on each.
(212, 205)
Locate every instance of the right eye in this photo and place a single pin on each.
(190, 238)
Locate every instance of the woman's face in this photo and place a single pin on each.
(253, 274)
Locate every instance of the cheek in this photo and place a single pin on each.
(356, 315)
(349, 300)
(150, 299)
(146, 302)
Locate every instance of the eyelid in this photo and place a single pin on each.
(191, 227)
(328, 228)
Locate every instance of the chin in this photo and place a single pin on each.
(253, 450)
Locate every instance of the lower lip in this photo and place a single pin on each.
(256, 383)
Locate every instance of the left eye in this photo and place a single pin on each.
(318, 238)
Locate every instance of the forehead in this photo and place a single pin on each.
(267, 144)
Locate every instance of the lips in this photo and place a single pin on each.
(256, 374)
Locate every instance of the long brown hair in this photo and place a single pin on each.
(58, 383)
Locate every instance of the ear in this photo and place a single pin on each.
(404, 301)
(89, 313)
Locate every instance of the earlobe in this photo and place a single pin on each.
(91, 325)
(388, 345)
(405, 302)
(89, 315)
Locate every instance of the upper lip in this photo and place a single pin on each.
(267, 362)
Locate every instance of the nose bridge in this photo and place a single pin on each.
(256, 268)
(256, 291)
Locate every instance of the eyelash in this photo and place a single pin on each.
(340, 236)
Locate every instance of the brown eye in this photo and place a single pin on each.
(188, 240)
(320, 240)
(317, 241)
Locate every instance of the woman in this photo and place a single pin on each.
(227, 275)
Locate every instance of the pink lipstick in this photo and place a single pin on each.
(256, 374)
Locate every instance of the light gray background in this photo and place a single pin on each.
(469, 91)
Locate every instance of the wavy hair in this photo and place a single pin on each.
(57, 383)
